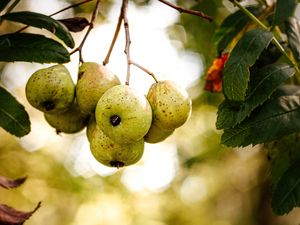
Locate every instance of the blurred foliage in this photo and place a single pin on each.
(213, 184)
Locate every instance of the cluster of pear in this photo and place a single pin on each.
(118, 118)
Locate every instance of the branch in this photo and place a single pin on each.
(91, 26)
(118, 27)
(127, 36)
(62, 10)
(145, 70)
(188, 11)
(123, 17)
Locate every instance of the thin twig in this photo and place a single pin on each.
(117, 31)
(144, 69)
(123, 17)
(53, 14)
(188, 11)
(91, 26)
(127, 36)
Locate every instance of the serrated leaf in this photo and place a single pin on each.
(31, 48)
(232, 25)
(236, 71)
(286, 194)
(42, 21)
(13, 117)
(9, 183)
(283, 10)
(275, 118)
(11, 216)
(263, 83)
(3, 4)
(293, 34)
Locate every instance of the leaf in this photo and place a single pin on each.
(75, 24)
(232, 25)
(236, 71)
(286, 194)
(3, 4)
(8, 183)
(31, 48)
(11, 216)
(42, 21)
(276, 118)
(13, 117)
(293, 34)
(283, 10)
(264, 82)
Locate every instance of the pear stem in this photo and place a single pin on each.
(91, 26)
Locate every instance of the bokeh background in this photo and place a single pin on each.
(189, 179)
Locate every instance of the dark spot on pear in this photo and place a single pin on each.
(116, 163)
(115, 120)
(48, 105)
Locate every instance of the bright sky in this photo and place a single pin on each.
(152, 49)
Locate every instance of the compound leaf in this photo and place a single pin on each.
(263, 83)
(275, 118)
(42, 21)
(31, 48)
(236, 71)
(13, 117)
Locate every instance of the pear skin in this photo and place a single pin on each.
(112, 154)
(51, 90)
(93, 81)
(123, 114)
(156, 134)
(70, 121)
(171, 105)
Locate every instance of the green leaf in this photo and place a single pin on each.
(293, 34)
(286, 194)
(42, 21)
(232, 25)
(3, 4)
(236, 71)
(13, 117)
(275, 118)
(263, 83)
(283, 10)
(31, 48)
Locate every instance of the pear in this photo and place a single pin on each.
(51, 89)
(156, 134)
(112, 154)
(90, 128)
(123, 114)
(93, 81)
(70, 121)
(170, 104)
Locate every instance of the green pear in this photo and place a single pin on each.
(123, 114)
(112, 154)
(156, 134)
(90, 128)
(70, 121)
(51, 90)
(93, 81)
(171, 105)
